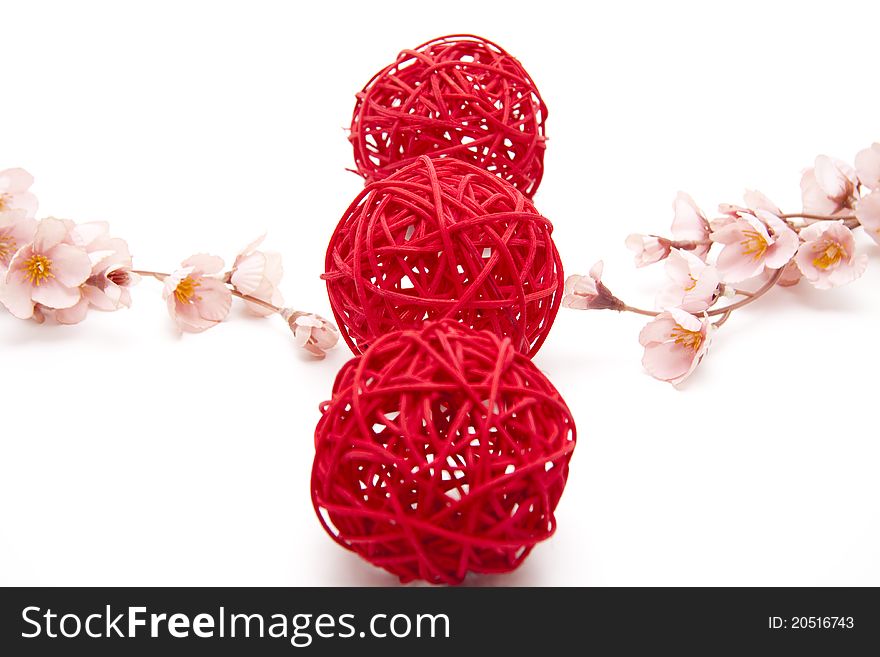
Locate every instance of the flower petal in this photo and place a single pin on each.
(678, 267)
(301, 335)
(249, 273)
(74, 314)
(50, 233)
(667, 361)
(173, 280)
(15, 180)
(756, 200)
(814, 199)
(657, 330)
(102, 299)
(571, 282)
(204, 263)
(53, 294)
(188, 318)
(688, 223)
(266, 292)
(835, 178)
(71, 266)
(214, 299)
(685, 320)
(15, 294)
(868, 167)
(868, 214)
(785, 243)
(728, 233)
(250, 248)
(735, 266)
(274, 267)
(85, 234)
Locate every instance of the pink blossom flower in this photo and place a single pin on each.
(648, 248)
(754, 200)
(47, 271)
(589, 292)
(689, 224)
(14, 194)
(868, 167)
(675, 342)
(753, 243)
(107, 287)
(196, 298)
(868, 214)
(258, 274)
(829, 188)
(690, 231)
(311, 332)
(730, 213)
(827, 258)
(16, 230)
(73, 315)
(693, 284)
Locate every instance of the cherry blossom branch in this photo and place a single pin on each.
(850, 221)
(817, 217)
(160, 276)
(255, 300)
(726, 310)
(58, 269)
(312, 332)
(723, 319)
(754, 240)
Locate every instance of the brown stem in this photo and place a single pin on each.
(817, 217)
(850, 220)
(723, 319)
(639, 311)
(159, 276)
(688, 245)
(761, 291)
(259, 302)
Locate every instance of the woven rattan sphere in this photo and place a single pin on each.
(459, 96)
(443, 239)
(443, 451)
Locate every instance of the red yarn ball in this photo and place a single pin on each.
(443, 451)
(460, 96)
(443, 239)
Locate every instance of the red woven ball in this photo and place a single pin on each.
(460, 96)
(443, 239)
(443, 451)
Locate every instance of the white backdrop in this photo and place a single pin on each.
(133, 456)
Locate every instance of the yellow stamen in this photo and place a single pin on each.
(5, 200)
(754, 244)
(7, 248)
(37, 270)
(829, 254)
(692, 285)
(185, 292)
(687, 339)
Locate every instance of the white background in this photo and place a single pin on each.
(133, 456)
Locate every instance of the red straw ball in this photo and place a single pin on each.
(443, 451)
(443, 239)
(460, 96)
